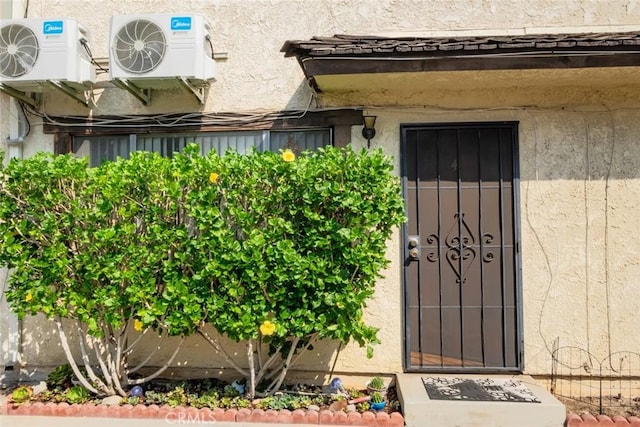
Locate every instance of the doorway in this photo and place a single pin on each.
(461, 271)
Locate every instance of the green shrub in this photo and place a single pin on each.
(288, 252)
(271, 250)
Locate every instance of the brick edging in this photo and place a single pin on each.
(586, 419)
(191, 414)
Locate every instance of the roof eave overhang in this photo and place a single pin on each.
(328, 57)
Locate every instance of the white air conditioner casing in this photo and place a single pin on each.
(152, 50)
(36, 50)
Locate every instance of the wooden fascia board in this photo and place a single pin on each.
(327, 65)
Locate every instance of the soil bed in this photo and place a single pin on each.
(624, 408)
(216, 394)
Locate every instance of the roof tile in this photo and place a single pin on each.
(345, 45)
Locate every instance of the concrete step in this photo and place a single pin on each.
(421, 411)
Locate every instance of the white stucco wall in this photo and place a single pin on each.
(579, 155)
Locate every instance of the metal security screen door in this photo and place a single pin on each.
(462, 291)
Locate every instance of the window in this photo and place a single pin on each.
(106, 148)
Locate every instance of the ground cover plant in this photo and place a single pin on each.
(209, 393)
(274, 250)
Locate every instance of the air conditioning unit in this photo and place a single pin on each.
(153, 50)
(33, 51)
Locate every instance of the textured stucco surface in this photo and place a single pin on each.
(579, 151)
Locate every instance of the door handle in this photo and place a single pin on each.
(413, 242)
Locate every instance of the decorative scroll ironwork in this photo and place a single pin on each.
(432, 239)
(461, 253)
(460, 247)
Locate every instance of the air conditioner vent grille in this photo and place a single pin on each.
(140, 46)
(18, 50)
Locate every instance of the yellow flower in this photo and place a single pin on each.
(267, 328)
(288, 156)
(137, 325)
(28, 297)
(214, 177)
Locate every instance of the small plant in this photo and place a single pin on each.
(376, 383)
(377, 402)
(60, 377)
(377, 397)
(22, 394)
(234, 402)
(354, 393)
(132, 400)
(363, 407)
(285, 401)
(177, 397)
(155, 397)
(209, 399)
(76, 394)
(320, 400)
(230, 391)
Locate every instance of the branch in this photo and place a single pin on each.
(116, 379)
(262, 373)
(252, 370)
(67, 351)
(118, 359)
(103, 366)
(259, 353)
(353, 276)
(129, 349)
(144, 362)
(218, 348)
(117, 362)
(312, 339)
(159, 371)
(87, 363)
(283, 373)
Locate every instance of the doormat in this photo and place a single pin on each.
(484, 389)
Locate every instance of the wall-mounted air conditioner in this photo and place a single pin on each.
(35, 50)
(155, 48)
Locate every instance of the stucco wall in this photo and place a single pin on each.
(578, 199)
(579, 155)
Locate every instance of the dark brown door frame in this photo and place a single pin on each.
(519, 341)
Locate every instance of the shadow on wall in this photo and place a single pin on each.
(198, 359)
(40, 352)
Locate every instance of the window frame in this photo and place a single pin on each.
(64, 128)
(85, 145)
